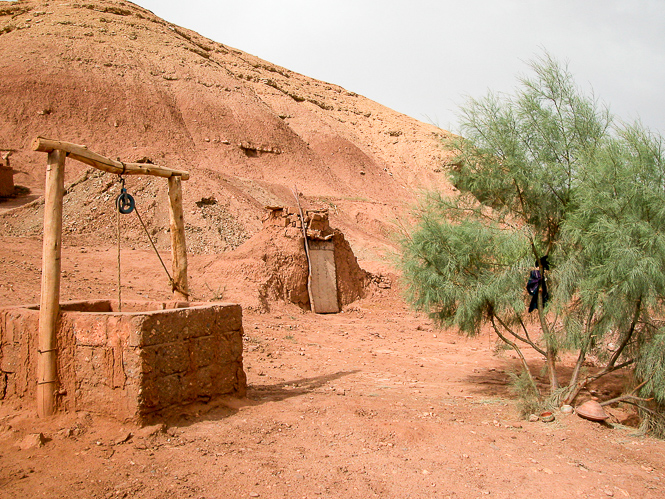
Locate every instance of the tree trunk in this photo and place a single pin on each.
(551, 349)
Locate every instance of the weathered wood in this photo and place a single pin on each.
(178, 244)
(82, 154)
(309, 261)
(50, 293)
(324, 277)
(49, 310)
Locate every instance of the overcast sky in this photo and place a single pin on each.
(423, 57)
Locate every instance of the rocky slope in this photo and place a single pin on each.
(129, 85)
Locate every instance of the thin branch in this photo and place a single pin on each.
(582, 355)
(526, 333)
(607, 370)
(521, 198)
(523, 340)
(650, 411)
(517, 349)
(629, 396)
(629, 334)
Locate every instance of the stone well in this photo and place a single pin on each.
(149, 359)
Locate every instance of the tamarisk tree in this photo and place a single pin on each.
(547, 177)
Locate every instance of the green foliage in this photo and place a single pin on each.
(547, 171)
(653, 421)
(524, 155)
(651, 368)
(529, 401)
(461, 270)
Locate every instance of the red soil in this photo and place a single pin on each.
(372, 402)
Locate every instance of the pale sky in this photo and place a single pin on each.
(423, 57)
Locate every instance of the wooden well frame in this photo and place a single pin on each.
(54, 191)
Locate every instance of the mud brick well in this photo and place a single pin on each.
(148, 359)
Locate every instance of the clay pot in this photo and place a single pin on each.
(566, 409)
(592, 411)
(546, 417)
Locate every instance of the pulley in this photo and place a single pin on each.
(124, 202)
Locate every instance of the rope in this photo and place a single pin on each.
(117, 216)
(174, 286)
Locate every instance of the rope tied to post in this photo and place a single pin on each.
(125, 204)
(58, 151)
(117, 218)
(174, 286)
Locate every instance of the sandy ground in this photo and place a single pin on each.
(371, 402)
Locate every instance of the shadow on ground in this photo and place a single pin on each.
(257, 394)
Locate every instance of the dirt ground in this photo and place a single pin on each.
(371, 402)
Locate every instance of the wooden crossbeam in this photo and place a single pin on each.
(82, 154)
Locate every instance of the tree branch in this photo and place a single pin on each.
(629, 334)
(526, 340)
(582, 355)
(629, 396)
(517, 349)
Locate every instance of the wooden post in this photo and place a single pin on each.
(50, 293)
(178, 245)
